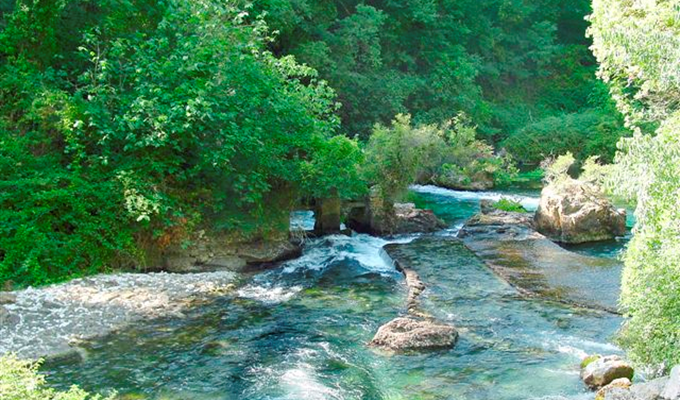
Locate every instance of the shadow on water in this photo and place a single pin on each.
(300, 332)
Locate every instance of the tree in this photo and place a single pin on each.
(638, 47)
(119, 134)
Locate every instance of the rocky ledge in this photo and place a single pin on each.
(536, 266)
(50, 321)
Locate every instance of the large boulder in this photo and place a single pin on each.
(621, 389)
(378, 216)
(407, 333)
(617, 389)
(649, 390)
(410, 219)
(574, 212)
(604, 370)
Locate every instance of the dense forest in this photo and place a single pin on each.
(130, 126)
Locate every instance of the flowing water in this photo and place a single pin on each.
(299, 332)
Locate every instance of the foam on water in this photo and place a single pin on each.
(268, 293)
(364, 249)
(528, 202)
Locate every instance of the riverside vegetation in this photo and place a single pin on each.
(128, 127)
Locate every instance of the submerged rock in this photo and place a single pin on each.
(605, 370)
(573, 212)
(407, 333)
(536, 266)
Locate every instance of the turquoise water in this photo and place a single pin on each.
(299, 331)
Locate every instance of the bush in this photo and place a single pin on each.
(510, 205)
(447, 154)
(638, 47)
(396, 155)
(20, 380)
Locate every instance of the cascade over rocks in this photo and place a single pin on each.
(379, 216)
(574, 212)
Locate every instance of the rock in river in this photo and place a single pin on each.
(574, 212)
(378, 216)
(605, 370)
(406, 333)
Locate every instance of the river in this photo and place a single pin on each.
(299, 331)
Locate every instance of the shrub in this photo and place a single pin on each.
(510, 205)
(20, 380)
(396, 155)
(447, 154)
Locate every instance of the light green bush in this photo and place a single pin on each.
(446, 154)
(508, 204)
(20, 380)
(638, 47)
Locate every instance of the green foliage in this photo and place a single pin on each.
(510, 205)
(585, 134)
(590, 359)
(447, 154)
(556, 171)
(126, 126)
(506, 64)
(20, 380)
(638, 46)
(396, 155)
